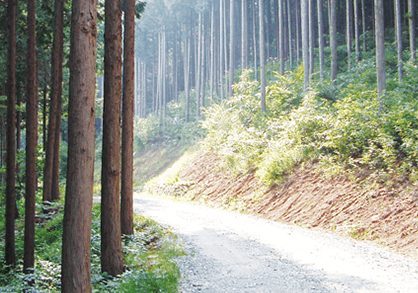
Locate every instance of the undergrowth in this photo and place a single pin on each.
(149, 257)
(344, 126)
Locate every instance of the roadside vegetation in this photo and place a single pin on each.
(149, 256)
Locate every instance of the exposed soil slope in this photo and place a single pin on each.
(308, 199)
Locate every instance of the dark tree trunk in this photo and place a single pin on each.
(127, 225)
(31, 135)
(58, 77)
(10, 254)
(111, 257)
(76, 271)
(321, 37)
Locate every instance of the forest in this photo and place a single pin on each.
(267, 86)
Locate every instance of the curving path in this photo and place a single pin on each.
(229, 252)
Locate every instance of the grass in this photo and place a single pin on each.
(149, 257)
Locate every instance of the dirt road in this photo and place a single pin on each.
(230, 252)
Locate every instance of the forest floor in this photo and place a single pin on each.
(365, 208)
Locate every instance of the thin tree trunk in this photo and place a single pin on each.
(289, 26)
(255, 41)
(311, 12)
(363, 20)
(187, 73)
(333, 33)
(212, 49)
(111, 246)
(199, 71)
(380, 48)
(298, 23)
(321, 37)
(305, 40)
(244, 35)
(281, 38)
(126, 203)
(357, 29)
(221, 48)
(262, 59)
(76, 271)
(10, 251)
(59, 46)
(398, 14)
(31, 134)
(231, 46)
(348, 31)
(412, 28)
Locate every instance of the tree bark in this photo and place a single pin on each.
(333, 41)
(76, 271)
(357, 29)
(221, 48)
(58, 69)
(262, 59)
(289, 26)
(56, 88)
(348, 31)
(244, 35)
(398, 14)
(281, 37)
(127, 224)
(231, 47)
(321, 37)
(311, 33)
(412, 28)
(111, 254)
(31, 134)
(363, 19)
(380, 47)
(212, 49)
(10, 251)
(305, 40)
(199, 72)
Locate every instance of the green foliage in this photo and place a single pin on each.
(343, 124)
(149, 257)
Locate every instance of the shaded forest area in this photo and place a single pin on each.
(274, 85)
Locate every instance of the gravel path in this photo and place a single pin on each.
(229, 252)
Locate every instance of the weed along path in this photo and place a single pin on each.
(229, 252)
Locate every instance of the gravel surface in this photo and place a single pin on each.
(229, 252)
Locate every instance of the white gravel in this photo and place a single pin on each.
(229, 252)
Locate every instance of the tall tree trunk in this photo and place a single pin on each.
(255, 40)
(221, 48)
(76, 271)
(59, 55)
(357, 29)
(305, 40)
(281, 37)
(380, 48)
(199, 71)
(31, 134)
(202, 70)
(348, 31)
(321, 37)
(363, 20)
(187, 73)
(333, 41)
(262, 59)
(298, 24)
(10, 253)
(398, 14)
(212, 49)
(111, 254)
(244, 35)
(231, 46)
(311, 12)
(412, 28)
(126, 203)
(289, 27)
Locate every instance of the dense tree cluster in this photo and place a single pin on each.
(184, 45)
